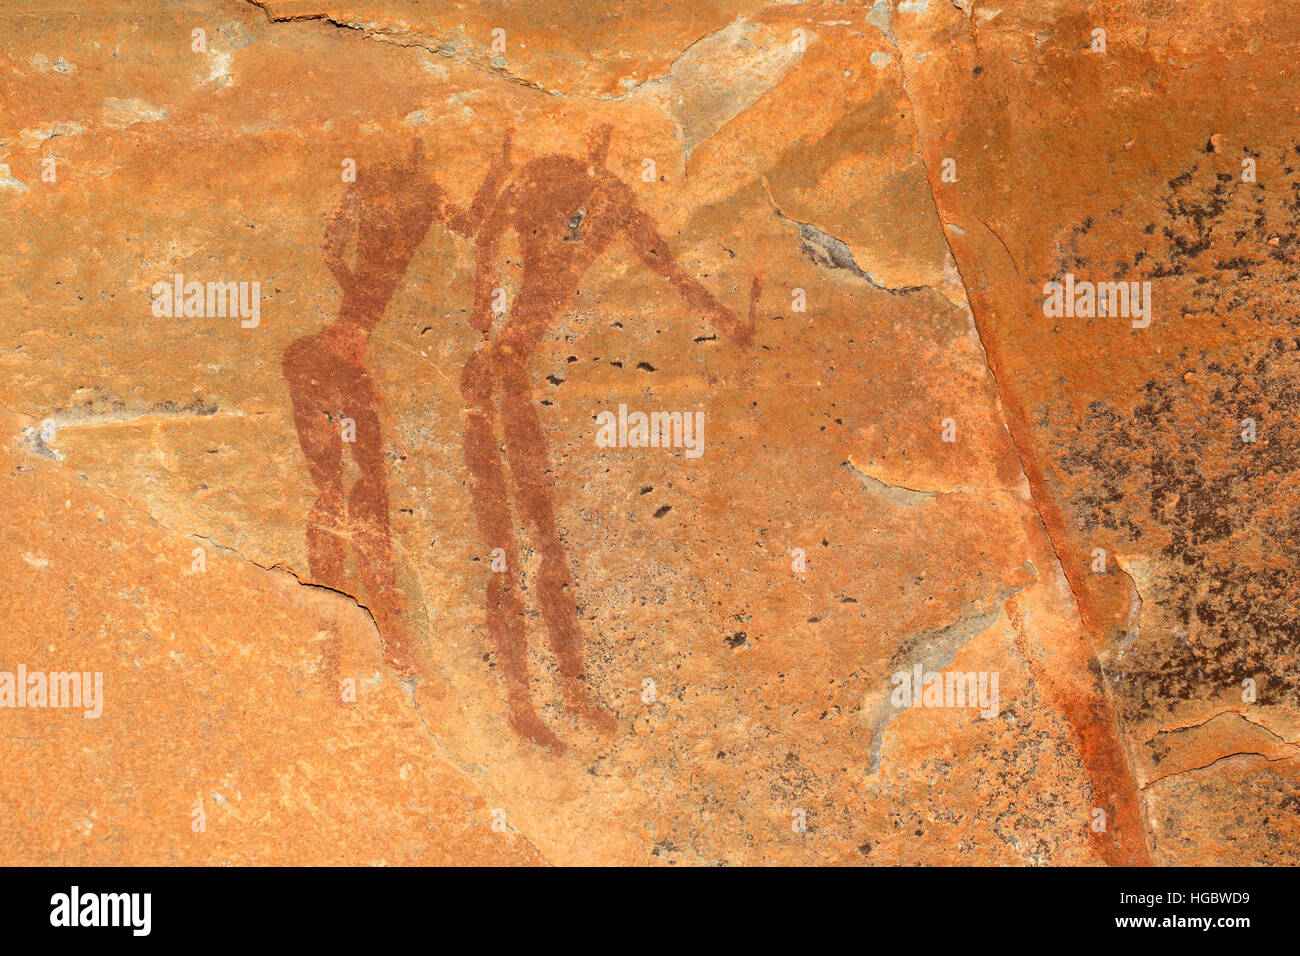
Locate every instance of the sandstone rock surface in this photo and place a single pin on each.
(362, 541)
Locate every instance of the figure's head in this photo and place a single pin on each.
(598, 145)
(396, 180)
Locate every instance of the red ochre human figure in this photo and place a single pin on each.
(566, 212)
(384, 215)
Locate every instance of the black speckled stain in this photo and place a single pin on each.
(1168, 474)
(1177, 470)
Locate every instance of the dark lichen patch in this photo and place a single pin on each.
(1176, 479)
(1228, 246)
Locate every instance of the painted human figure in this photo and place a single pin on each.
(566, 212)
(384, 215)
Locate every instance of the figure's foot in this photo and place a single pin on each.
(401, 667)
(398, 653)
(525, 722)
(580, 704)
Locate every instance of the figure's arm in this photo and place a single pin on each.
(485, 259)
(653, 250)
(467, 222)
(341, 227)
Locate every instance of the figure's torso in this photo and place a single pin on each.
(565, 217)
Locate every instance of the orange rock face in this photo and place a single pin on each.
(644, 433)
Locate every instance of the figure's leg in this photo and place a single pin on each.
(312, 389)
(371, 529)
(505, 605)
(530, 465)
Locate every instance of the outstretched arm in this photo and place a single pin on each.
(467, 222)
(485, 259)
(340, 229)
(653, 250)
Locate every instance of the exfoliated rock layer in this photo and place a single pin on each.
(644, 433)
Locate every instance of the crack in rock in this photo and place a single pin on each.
(832, 253)
(32, 441)
(894, 494)
(931, 650)
(1207, 766)
(494, 65)
(1224, 713)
